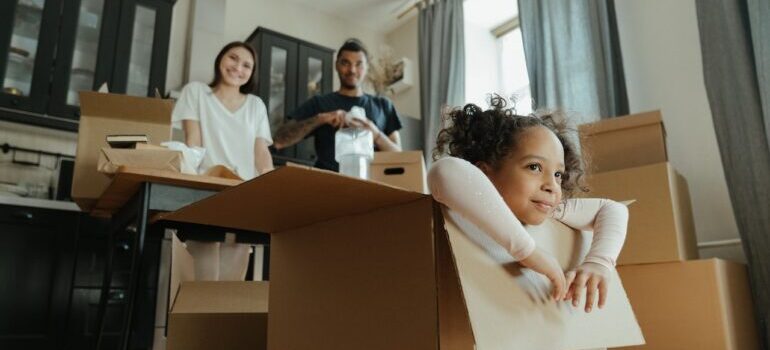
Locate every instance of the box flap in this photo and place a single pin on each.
(397, 157)
(509, 306)
(221, 297)
(110, 114)
(624, 122)
(125, 107)
(291, 197)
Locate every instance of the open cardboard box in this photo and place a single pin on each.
(400, 169)
(660, 225)
(624, 142)
(360, 265)
(212, 314)
(105, 114)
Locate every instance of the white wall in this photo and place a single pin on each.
(663, 68)
(403, 42)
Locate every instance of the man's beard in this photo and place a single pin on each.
(347, 86)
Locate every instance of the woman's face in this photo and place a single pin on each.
(529, 179)
(236, 66)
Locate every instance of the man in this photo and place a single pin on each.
(322, 115)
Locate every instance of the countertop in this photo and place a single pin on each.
(38, 203)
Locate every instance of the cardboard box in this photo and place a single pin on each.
(219, 315)
(110, 159)
(624, 142)
(702, 304)
(660, 225)
(107, 114)
(361, 265)
(401, 169)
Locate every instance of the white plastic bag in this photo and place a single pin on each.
(191, 156)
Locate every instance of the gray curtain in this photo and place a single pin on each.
(759, 19)
(573, 56)
(442, 64)
(735, 71)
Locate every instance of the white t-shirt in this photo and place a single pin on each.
(227, 137)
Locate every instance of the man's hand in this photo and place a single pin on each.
(334, 118)
(545, 264)
(591, 278)
(366, 124)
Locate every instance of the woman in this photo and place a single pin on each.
(232, 125)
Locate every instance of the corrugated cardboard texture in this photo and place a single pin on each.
(108, 114)
(291, 197)
(401, 169)
(660, 227)
(219, 315)
(624, 142)
(703, 304)
(111, 159)
(363, 281)
(509, 306)
(359, 265)
(454, 325)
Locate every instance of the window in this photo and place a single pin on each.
(494, 54)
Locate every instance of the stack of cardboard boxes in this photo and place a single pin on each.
(680, 302)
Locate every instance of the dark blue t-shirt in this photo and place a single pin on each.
(378, 109)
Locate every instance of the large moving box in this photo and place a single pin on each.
(400, 169)
(359, 265)
(702, 304)
(110, 114)
(660, 226)
(624, 142)
(219, 315)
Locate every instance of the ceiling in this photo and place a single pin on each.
(377, 15)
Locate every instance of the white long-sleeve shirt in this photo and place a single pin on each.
(465, 189)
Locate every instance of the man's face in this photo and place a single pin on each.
(351, 68)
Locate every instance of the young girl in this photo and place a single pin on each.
(505, 171)
(232, 125)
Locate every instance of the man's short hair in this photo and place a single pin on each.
(354, 45)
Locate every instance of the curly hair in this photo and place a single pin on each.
(491, 135)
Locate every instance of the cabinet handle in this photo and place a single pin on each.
(124, 246)
(23, 215)
(117, 295)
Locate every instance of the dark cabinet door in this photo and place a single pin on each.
(314, 78)
(52, 49)
(28, 31)
(290, 72)
(142, 52)
(36, 266)
(86, 51)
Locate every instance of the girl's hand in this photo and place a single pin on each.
(591, 278)
(545, 264)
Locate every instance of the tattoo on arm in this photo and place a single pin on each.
(294, 131)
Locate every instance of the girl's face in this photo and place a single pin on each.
(529, 179)
(236, 67)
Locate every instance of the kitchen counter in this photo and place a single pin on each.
(38, 203)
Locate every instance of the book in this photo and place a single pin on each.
(126, 141)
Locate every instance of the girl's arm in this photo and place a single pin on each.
(464, 188)
(606, 218)
(263, 161)
(192, 133)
